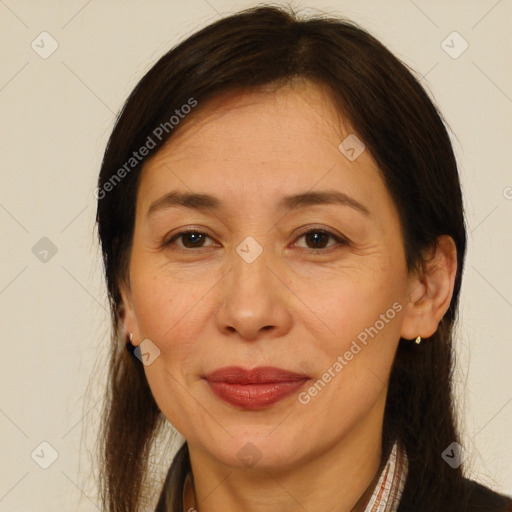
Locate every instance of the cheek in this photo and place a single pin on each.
(165, 305)
(357, 353)
(348, 303)
(174, 399)
(362, 311)
(171, 314)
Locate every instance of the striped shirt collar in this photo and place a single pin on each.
(388, 491)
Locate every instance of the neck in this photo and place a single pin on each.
(348, 470)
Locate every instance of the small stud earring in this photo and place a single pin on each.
(418, 340)
(129, 347)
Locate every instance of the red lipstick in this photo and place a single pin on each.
(254, 389)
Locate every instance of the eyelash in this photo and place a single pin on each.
(341, 241)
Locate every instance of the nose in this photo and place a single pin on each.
(254, 303)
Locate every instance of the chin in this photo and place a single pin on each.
(259, 450)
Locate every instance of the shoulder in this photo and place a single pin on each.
(481, 498)
(468, 496)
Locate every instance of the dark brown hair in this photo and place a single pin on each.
(390, 111)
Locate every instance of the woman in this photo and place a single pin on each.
(283, 250)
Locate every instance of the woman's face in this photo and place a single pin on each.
(315, 285)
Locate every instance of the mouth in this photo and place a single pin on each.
(254, 389)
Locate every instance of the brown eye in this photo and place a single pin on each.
(190, 239)
(318, 239)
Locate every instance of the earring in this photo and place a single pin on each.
(129, 347)
(418, 340)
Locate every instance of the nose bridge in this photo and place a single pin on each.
(250, 250)
(250, 272)
(251, 299)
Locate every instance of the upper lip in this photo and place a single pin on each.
(259, 375)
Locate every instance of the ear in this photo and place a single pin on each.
(128, 315)
(430, 291)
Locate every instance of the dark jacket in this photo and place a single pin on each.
(472, 497)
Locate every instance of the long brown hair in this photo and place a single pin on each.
(400, 126)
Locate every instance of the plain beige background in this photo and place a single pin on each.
(57, 113)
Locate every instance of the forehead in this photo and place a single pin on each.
(240, 123)
(271, 139)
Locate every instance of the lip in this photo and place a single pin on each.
(257, 388)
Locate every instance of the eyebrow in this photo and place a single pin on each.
(207, 202)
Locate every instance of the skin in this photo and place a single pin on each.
(293, 308)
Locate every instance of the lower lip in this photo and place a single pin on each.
(255, 396)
